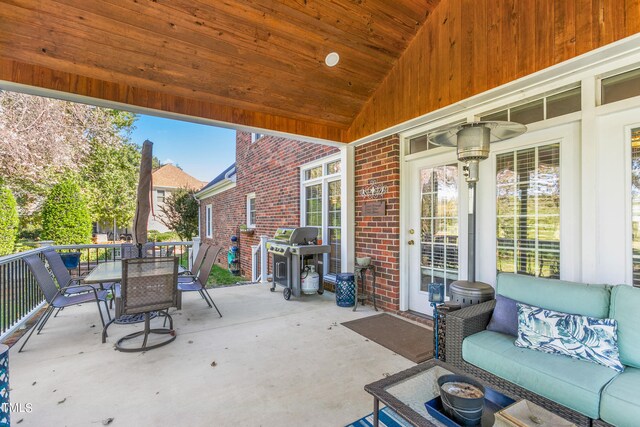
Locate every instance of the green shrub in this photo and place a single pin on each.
(65, 217)
(8, 221)
(168, 236)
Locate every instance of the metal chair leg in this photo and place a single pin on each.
(106, 307)
(45, 319)
(34, 327)
(100, 311)
(148, 330)
(211, 299)
(58, 312)
(205, 298)
(104, 330)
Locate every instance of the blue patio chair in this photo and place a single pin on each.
(58, 298)
(63, 277)
(199, 283)
(197, 263)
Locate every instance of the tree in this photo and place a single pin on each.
(180, 213)
(43, 139)
(8, 220)
(110, 179)
(65, 217)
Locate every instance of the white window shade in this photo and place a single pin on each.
(528, 211)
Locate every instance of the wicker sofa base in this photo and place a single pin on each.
(473, 319)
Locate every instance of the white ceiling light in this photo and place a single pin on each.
(332, 59)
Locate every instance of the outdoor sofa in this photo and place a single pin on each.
(583, 392)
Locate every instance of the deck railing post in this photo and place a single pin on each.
(263, 259)
(195, 247)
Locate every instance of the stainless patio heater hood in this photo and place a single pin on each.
(472, 142)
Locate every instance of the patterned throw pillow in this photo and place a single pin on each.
(581, 337)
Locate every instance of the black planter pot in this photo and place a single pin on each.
(464, 411)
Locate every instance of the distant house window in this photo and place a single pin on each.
(251, 210)
(208, 221)
(160, 196)
(256, 136)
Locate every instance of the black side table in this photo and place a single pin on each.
(361, 274)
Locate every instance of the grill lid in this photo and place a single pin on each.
(295, 236)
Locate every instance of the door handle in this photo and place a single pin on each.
(411, 242)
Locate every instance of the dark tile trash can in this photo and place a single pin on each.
(4, 386)
(345, 290)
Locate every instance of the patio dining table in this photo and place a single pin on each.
(110, 271)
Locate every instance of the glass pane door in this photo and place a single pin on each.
(439, 225)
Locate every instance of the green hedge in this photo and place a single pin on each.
(65, 216)
(8, 221)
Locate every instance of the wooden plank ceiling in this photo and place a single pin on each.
(260, 63)
(252, 62)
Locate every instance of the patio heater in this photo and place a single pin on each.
(472, 142)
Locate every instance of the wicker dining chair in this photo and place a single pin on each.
(148, 285)
(58, 297)
(199, 282)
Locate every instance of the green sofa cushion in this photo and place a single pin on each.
(573, 383)
(620, 404)
(625, 308)
(558, 295)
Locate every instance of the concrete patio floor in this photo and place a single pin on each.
(277, 363)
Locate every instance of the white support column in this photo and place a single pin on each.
(348, 212)
(588, 182)
(264, 268)
(194, 251)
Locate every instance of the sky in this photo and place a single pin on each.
(201, 151)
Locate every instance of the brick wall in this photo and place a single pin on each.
(378, 236)
(270, 168)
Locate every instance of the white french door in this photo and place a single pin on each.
(433, 227)
(618, 197)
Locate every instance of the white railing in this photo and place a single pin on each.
(259, 258)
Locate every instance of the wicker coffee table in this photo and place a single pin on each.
(407, 391)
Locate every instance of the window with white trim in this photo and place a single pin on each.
(256, 136)
(528, 211)
(251, 210)
(160, 196)
(322, 208)
(208, 221)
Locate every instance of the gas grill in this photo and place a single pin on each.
(292, 249)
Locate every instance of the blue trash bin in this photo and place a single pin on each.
(345, 290)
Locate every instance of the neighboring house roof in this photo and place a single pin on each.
(220, 183)
(171, 176)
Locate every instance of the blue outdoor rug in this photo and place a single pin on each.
(386, 416)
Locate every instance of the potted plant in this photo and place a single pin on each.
(244, 229)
